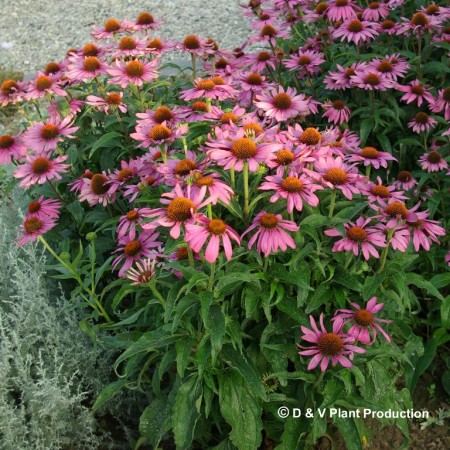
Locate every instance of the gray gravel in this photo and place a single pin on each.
(39, 31)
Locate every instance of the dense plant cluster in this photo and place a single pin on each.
(204, 217)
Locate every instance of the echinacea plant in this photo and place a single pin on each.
(204, 219)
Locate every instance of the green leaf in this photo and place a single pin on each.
(186, 413)
(420, 282)
(239, 362)
(315, 220)
(293, 431)
(445, 312)
(155, 421)
(241, 411)
(105, 141)
(372, 285)
(183, 348)
(108, 393)
(322, 295)
(216, 323)
(349, 432)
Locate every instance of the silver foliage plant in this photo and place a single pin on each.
(49, 368)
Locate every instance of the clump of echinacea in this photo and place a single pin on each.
(335, 346)
(363, 321)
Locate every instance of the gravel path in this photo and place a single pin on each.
(39, 31)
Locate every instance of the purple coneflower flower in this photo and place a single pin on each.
(128, 223)
(44, 84)
(270, 234)
(84, 69)
(336, 112)
(341, 10)
(424, 231)
(216, 189)
(112, 101)
(375, 12)
(134, 250)
(335, 346)
(378, 191)
(363, 320)
(133, 72)
(38, 169)
(422, 122)
(442, 103)
(110, 28)
(433, 161)
(215, 88)
(143, 273)
(281, 105)
(405, 180)
(44, 137)
(415, 92)
(356, 31)
(294, 188)
(32, 227)
(11, 147)
(214, 231)
(43, 208)
(146, 21)
(358, 237)
(370, 156)
(97, 189)
(305, 63)
(371, 79)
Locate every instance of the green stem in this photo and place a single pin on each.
(56, 192)
(190, 256)
(368, 169)
(246, 208)
(266, 263)
(156, 293)
(332, 202)
(419, 56)
(211, 276)
(209, 209)
(385, 251)
(194, 67)
(232, 181)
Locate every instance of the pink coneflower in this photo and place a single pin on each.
(181, 206)
(110, 28)
(128, 223)
(400, 236)
(375, 12)
(157, 47)
(257, 62)
(335, 174)
(158, 116)
(130, 47)
(419, 24)
(32, 227)
(96, 190)
(234, 116)
(135, 250)
(214, 230)
(433, 161)
(341, 10)
(281, 105)
(405, 180)
(38, 169)
(390, 70)
(424, 231)
(378, 191)
(43, 208)
(195, 46)
(389, 27)
(149, 134)
(44, 84)
(442, 103)
(79, 183)
(143, 273)
(178, 171)
(305, 63)
(112, 101)
(84, 69)
(336, 345)
(44, 137)
(235, 150)
(415, 92)
(134, 72)
(355, 31)
(194, 113)
(336, 112)
(363, 320)
(341, 79)
(358, 237)
(146, 21)
(215, 188)
(270, 234)
(370, 79)
(447, 258)
(294, 188)
(11, 147)
(394, 213)
(269, 33)
(210, 88)
(251, 84)
(11, 91)
(422, 122)
(370, 156)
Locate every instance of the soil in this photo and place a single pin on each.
(390, 437)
